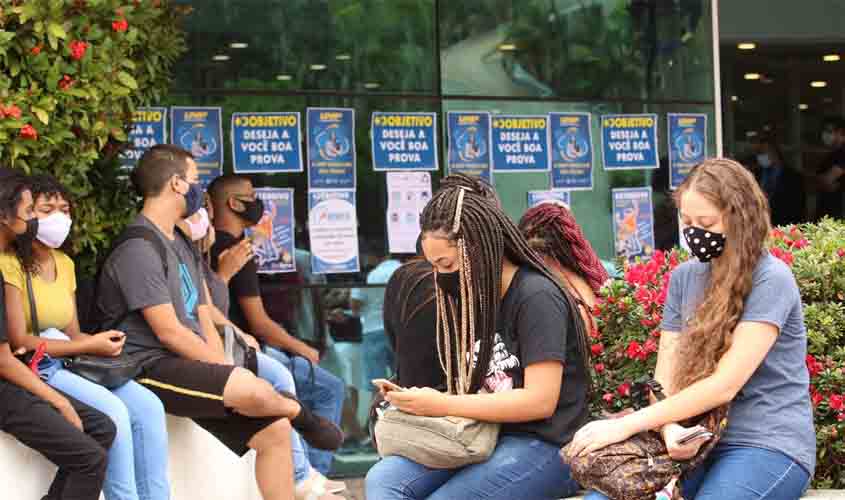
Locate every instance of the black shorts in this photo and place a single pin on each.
(194, 389)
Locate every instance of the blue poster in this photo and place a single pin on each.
(404, 141)
(469, 144)
(149, 128)
(520, 143)
(629, 142)
(272, 237)
(633, 223)
(572, 150)
(333, 229)
(687, 145)
(331, 148)
(266, 143)
(537, 197)
(199, 130)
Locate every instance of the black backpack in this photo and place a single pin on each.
(90, 318)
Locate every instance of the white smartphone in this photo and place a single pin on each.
(387, 385)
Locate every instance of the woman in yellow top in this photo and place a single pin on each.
(137, 468)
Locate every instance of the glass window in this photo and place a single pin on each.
(591, 49)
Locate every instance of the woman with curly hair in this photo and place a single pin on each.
(733, 332)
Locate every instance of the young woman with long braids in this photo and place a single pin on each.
(733, 332)
(552, 232)
(529, 372)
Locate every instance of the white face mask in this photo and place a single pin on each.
(54, 229)
(199, 229)
(827, 138)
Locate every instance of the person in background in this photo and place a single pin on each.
(237, 208)
(831, 173)
(733, 332)
(70, 434)
(309, 483)
(552, 232)
(139, 455)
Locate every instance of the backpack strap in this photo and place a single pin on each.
(131, 233)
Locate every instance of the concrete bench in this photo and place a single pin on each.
(200, 467)
(817, 494)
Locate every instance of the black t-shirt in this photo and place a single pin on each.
(414, 340)
(536, 325)
(832, 203)
(244, 284)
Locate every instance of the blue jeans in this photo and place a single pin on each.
(323, 395)
(137, 464)
(743, 473)
(378, 357)
(281, 379)
(521, 468)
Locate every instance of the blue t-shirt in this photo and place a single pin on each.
(773, 409)
(372, 299)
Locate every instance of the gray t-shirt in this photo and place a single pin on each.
(217, 288)
(134, 279)
(773, 409)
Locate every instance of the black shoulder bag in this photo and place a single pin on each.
(108, 372)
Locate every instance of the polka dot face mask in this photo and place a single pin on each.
(706, 245)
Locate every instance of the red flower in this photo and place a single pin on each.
(655, 333)
(839, 418)
(650, 346)
(597, 349)
(11, 111)
(816, 398)
(644, 296)
(608, 398)
(841, 253)
(28, 132)
(799, 244)
(813, 365)
(673, 260)
(78, 49)
(35, 50)
(624, 390)
(595, 333)
(783, 255)
(777, 234)
(599, 367)
(634, 350)
(66, 82)
(836, 402)
(120, 26)
(794, 232)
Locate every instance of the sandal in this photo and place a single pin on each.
(319, 487)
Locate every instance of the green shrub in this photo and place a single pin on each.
(71, 74)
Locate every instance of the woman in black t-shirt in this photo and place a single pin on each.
(513, 349)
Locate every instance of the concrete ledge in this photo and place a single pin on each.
(200, 467)
(817, 494)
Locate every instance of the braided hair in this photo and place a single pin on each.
(551, 230)
(464, 212)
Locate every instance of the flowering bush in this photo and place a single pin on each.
(71, 74)
(629, 311)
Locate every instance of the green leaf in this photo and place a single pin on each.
(56, 30)
(127, 63)
(119, 91)
(77, 93)
(42, 115)
(6, 36)
(127, 80)
(119, 134)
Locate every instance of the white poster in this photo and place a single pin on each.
(334, 231)
(407, 195)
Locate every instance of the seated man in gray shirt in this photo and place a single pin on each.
(162, 307)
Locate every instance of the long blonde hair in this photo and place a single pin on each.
(745, 213)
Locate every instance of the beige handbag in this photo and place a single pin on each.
(436, 442)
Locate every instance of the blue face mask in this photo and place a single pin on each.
(193, 199)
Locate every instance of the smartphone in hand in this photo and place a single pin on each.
(700, 433)
(386, 385)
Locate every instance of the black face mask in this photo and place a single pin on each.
(253, 211)
(26, 237)
(450, 283)
(704, 244)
